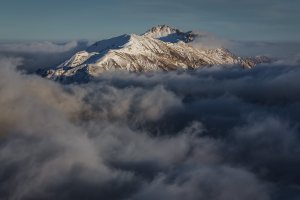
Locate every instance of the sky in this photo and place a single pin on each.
(97, 19)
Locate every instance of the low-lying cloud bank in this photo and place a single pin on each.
(287, 50)
(215, 133)
(41, 54)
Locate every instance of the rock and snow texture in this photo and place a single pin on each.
(162, 48)
(168, 34)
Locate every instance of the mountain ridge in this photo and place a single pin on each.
(161, 48)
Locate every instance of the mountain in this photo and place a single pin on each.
(162, 48)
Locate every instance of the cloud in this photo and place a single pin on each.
(273, 142)
(41, 54)
(208, 40)
(284, 52)
(38, 47)
(213, 182)
(214, 133)
(279, 50)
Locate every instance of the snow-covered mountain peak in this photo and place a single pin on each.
(162, 48)
(169, 34)
(161, 31)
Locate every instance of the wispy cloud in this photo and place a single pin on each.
(41, 54)
(38, 47)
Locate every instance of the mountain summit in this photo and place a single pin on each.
(162, 48)
(161, 31)
(168, 34)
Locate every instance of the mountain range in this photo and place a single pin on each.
(161, 48)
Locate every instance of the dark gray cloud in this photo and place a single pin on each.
(214, 133)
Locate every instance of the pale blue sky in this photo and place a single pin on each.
(98, 19)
